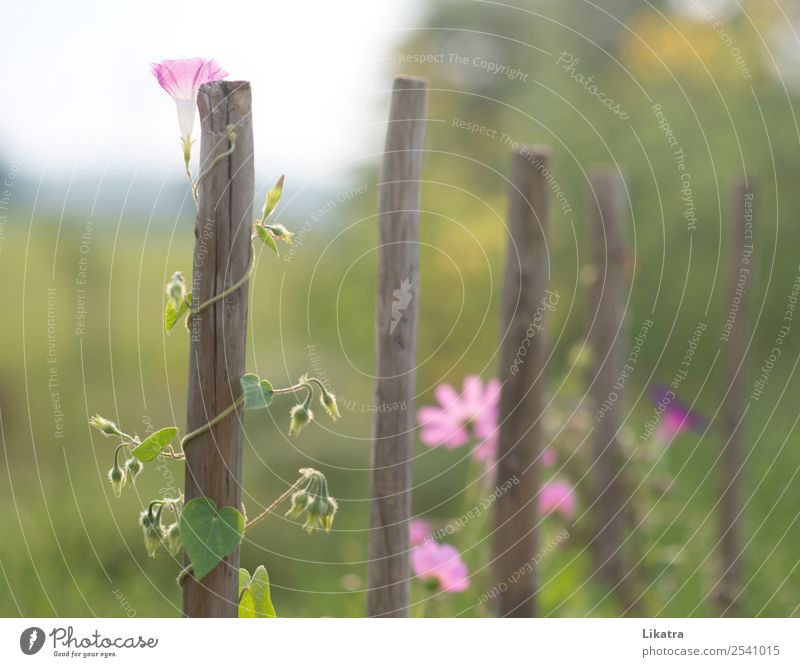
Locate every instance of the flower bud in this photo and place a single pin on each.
(176, 288)
(328, 400)
(174, 541)
(105, 426)
(299, 416)
(117, 478)
(300, 500)
(320, 508)
(153, 532)
(280, 232)
(133, 467)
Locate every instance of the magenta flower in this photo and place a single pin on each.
(458, 418)
(418, 531)
(549, 457)
(676, 417)
(182, 79)
(440, 564)
(557, 496)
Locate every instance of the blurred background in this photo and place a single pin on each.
(96, 215)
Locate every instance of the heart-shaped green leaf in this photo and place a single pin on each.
(266, 237)
(154, 443)
(257, 393)
(209, 534)
(254, 595)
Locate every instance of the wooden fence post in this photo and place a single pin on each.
(217, 334)
(733, 443)
(523, 354)
(607, 339)
(396, 329)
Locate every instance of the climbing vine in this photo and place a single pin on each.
(208, 533)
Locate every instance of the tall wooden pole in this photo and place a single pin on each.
(733, 407)
(396, 327)
(607, 341)
(524, 307)
(217, 347)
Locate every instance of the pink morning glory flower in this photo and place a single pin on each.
(676, 419)
(418, 531)
(440, 564)
(458, 418)
(182, 79)
(557, 496)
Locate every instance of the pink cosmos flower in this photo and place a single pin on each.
(418, 531)
(460, 417)
(182, 79)
(442, 564)
(557, 496)
(676, 418)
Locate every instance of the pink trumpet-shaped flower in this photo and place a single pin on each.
(442, 564)
(676, 417)
(418, 531)
(557, 496)
(459, 417)
(182, 79)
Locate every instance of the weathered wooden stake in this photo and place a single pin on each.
(523, 353)
(607, 340)
(733, 443)
(396, 327)
(217, 347)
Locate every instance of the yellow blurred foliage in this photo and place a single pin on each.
(659, 47)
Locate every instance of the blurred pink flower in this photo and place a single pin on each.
(549, 457)
(557, 496)
(486, 451)
(418, 530)
(459, 417)
(676, 418)
(442, 564)
(182, 79)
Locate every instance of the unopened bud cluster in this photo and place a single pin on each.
(313, 500)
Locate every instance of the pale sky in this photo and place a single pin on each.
(79, 95)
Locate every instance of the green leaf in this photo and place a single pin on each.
(267, 391)
(273, 197)
(173, 314)
(254, 594)
(209, 534)
(154, 443)
(188, 317)
(244, 580)
(266, 237)
(257, 393)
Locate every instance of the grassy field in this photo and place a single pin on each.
(70, 548)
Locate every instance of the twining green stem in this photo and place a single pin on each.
(192, 185)
(229, 290)
(215, 161)
(232, 408)
(295, 387)
(116, 453)
(294, 487)
(150, 507)
(216, 420)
